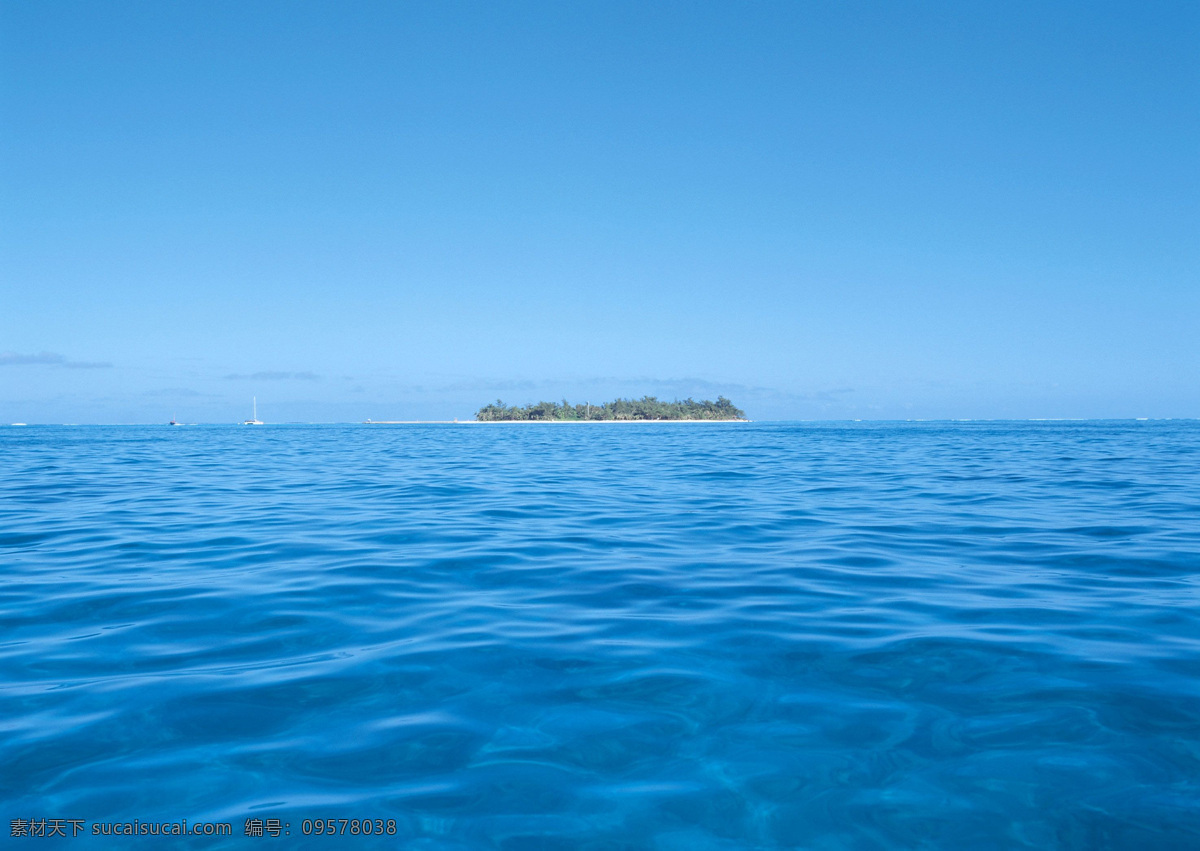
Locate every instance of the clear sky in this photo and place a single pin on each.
(822, 210)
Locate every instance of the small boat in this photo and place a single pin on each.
(174, 421)
(254, 420)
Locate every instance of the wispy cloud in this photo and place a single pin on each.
(835, 394)
(273, 376)
(48, 359)
(669, 387)
(178, 392)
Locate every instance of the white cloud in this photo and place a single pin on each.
(273, 376)
(48, 359)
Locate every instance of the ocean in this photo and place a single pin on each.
(978, 635)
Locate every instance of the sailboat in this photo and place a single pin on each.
(254, 420)
(174, 421)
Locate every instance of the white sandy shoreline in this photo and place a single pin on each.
(542, 422)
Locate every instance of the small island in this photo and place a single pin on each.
(648, 408)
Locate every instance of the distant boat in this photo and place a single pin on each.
(173, 421)
(254, 420)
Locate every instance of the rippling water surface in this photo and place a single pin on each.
(666, 636)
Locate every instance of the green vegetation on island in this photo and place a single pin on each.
(646, 408)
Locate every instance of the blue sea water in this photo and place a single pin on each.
(659, 636)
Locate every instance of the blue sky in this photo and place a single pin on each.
(406, 210)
